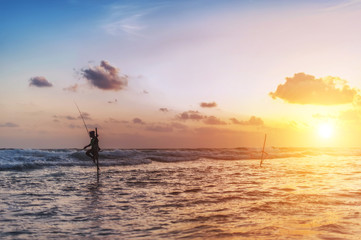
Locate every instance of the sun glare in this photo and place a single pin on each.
(325, 130)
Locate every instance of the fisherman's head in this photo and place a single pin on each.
(92, 134)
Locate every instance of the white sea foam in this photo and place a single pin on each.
(27, 159)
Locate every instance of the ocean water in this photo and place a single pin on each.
(298, 193)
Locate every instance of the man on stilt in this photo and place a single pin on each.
(93, 152)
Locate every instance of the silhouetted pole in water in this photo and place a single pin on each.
(97, 156)
(263, 152)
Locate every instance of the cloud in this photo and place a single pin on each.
(105, 77)
(115, 101)
(197, 116)
(90, 126)
(73, 88)
(165, 110)
(129, 20)
(9, 124)
(93, 126)
(65, 117)
(208, 105)
(344, 4)
(322, 116)
(179, 126)
(159, 128)
(306, 89)
(212, 120)
(85, 115)
(214, 131)
(138, 121)
(350, 115)
(112, 120)
(128, 26)
(253, 121)
(74, 126)
(190, 115)
(357, 101)
(39, 81)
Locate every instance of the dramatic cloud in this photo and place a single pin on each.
(306, 89)
(212, 120)
(138, 121)
(9, 124)
(105, 77)
(190, 115)
(39, 82)
(208, 105)
(73, 88)
(254, 121)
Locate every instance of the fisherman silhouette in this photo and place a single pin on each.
(93, 151)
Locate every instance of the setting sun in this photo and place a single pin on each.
(325, 130)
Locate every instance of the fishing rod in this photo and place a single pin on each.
(81, 115)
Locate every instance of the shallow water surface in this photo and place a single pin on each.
(304, 197)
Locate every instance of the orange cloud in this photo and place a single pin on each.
(212, 120)
(159, 128)
(350, 115)
(255, 121)
(306, 89)
(179, 126)
(73, 88)
(66, 117)
(208, 105)
(138, 121)
(190, 115)
(165, 110)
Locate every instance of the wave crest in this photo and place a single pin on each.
(29, 159)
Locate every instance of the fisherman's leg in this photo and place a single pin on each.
(90, 154)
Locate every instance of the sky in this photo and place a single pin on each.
(180, 74)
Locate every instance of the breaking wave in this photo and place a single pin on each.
(28, 159)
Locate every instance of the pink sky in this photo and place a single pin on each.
(169, 75)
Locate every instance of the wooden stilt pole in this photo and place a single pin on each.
(97, 159)
(263, 152)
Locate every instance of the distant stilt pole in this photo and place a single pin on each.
(97, 158)
(263, 152)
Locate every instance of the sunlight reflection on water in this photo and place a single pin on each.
(311, 198)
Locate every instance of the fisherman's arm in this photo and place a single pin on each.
(87, 146)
